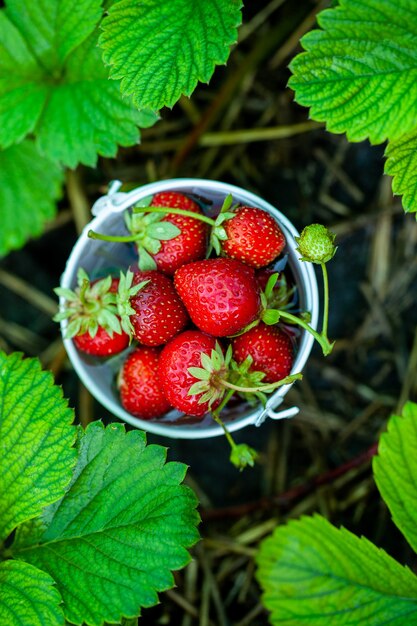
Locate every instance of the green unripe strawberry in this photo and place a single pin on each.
(316, 244)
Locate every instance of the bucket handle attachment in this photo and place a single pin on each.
(268, 411)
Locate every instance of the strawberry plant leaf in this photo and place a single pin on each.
(53, 29)
(36, 440)
(359, 71)
(22, 92)
(110, 544)
(28, 596)
(54, 85)
(159, 59)
(402, 165)
(314, 573)
(29, 186)
(86, 115)
(395, 470)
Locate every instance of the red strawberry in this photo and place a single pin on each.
(159, 313)
(191, 244)
(165, 240)
(221, 295)
(92, 315)
(253, 236)
(270, 348)
(180, 354)
(140, 386)
(102, 344)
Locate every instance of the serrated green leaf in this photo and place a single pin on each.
(313, 573)
(402, 165)
(28, 596)
(36, 438)
(161, 50)
(22, 92)
(53, 28)
(123, 526)
(395, 470)
(53, 83)
(86, 115)
(29, 187)
(359, 73)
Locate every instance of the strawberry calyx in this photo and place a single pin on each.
(218, 378)
(88, 306)
(276, 298)
(210, 376)
(218, 232)
(125, 292)
(243, 455)
(148, 231)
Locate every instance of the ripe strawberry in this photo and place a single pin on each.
(102, 344)
(191, 244)
(92, 315)
(159, 313)
(251, 235)
(271, 350)
(181, 353)
(140, 386)
(221, 295)
(165, 241)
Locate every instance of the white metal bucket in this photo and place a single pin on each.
(96, 255)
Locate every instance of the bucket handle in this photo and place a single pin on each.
(275, 415)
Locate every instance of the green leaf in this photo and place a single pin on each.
(36, 438)
(29, 186)
(312, 573)
(54, 85)
(395, 470)
(51, 28)
(28, 596)
(126, 521)
(402, 165)
(86, 115)
(22, 91)
(161, 50)
(359, 73)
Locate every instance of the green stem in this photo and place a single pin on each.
(120, 238)
(325, 299)
(152, 209)
(284, 381)
(157, 209)
(326, 346)
(216, 417)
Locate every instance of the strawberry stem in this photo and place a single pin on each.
(150, 209)
(322, 339)
(263, 387)
(120, 238)
(325, 299)
(157, 209)
(241, 454)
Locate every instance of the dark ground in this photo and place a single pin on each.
(345, 399)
